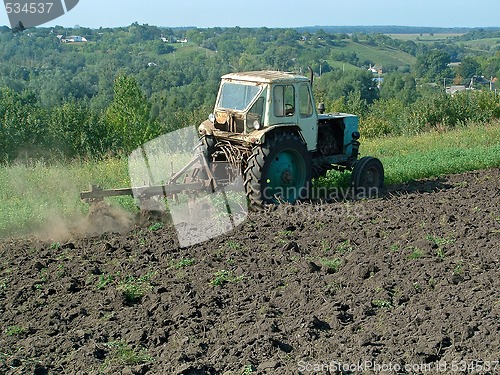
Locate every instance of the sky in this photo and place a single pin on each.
(279, 13)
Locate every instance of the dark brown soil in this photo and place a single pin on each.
(411, 281)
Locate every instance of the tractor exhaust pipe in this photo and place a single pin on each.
(311, 75)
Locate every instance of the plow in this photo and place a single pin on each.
(185, 180)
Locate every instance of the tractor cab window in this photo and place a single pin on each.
(284, 100)
(237, 96)
(258, 108)
(255, 116)
(305, 104)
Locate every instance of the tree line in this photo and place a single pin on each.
(131, 84)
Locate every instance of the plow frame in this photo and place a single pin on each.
(191, 182)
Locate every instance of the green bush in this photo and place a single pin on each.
(385, 117)
(441, 111)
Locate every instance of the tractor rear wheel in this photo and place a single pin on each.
(279, 170)
(368, 174)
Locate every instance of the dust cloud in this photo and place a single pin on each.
(43, 201)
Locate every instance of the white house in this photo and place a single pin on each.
(72, 39)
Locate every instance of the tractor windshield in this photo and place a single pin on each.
(237, 96)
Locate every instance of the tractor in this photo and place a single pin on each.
(285, 141)
(266, 128)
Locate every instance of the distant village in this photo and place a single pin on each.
(376, 70)
(82, 39)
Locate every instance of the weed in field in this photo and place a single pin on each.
(55, 245)
(233, 245)
(325, 246)
(394, 248)
(183, 263)
(3, 285)
(103, 281)
(60, 271)
(461, 184)
(223, 277)
(344, 247)
(44, 275)
(320, 225)
(432, 282)
(331, 264)
(133, 289)
(416, 253)
(459, 269)
(155, 227)
(248, 370)
(15, 330)
(440, 241)
(123, 354)
(334, 287)
(440, 253)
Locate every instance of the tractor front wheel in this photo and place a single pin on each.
(367, 175)
(279, 170)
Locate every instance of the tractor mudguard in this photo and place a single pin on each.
(257, 137)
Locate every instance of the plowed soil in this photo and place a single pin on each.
(409, 282)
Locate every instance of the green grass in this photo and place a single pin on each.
(481, 44)
(37, 198)
(436, 153)
(382, 56)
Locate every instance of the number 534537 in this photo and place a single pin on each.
(32, 8)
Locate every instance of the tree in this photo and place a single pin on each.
(433, 65)
(128, 115)
(337, 84)
(399, 86)
(162, 48)
(469, 67)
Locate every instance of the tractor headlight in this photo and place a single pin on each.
(355, 136)
(256, 125)
(211, 117)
